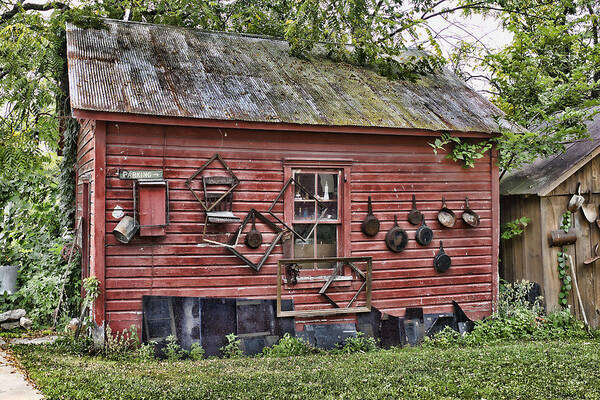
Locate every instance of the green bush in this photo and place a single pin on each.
(515, 319)
(359, 344)
(77, 347)
(146, 350)
(196, 352)
(289, 346)
(233, 348)
(121, 344)
(32, 238)
(173, 351)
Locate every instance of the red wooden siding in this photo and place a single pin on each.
(84, 168)
(388, 168)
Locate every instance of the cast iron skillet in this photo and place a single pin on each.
(424, 234)
(414, 216)
(470, 216)
(370, 225)
(253, 237)
(442, 261)
(396, 238)
(446, 216)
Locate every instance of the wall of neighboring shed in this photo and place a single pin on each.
(531, 257)
(84, 170)
(389, 168)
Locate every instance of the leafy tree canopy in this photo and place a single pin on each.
(547, 78)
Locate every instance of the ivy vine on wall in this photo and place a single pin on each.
(563, 267)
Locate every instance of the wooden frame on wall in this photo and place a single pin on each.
(328, 311)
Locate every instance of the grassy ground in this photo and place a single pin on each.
(516, 371)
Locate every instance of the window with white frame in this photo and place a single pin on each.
(320, 223)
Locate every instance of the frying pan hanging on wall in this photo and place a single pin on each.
(254, 237)
(442, 261)
(396, 238)
(370, 225)
(424, 234)
(414, 216)
(469, 216)
(446, 216)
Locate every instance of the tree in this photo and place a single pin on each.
(548, 78)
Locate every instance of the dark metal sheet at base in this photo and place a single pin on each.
(414, 329)
(188, 320)
(156, 318)
(208, 320)
(253, 346)
(285, 325)
(255, 316)
(391, 331)
(218, 320)
(370, 323)
(328, 336)
(441, 323)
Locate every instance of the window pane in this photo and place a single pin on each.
(326, 243)
(327, 187)
(302, 249)
(304, 209)
(328, 210)
(308, 182)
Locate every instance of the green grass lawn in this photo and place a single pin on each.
(515, 371)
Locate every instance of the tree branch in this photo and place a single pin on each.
(22, 6)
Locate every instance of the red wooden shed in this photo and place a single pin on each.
(156, 103)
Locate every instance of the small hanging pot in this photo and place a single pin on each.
(446, 216)
(126, 229)
(414, 216)
(253, 237)
(442, 261)
(424, 234)
(370, 225)
(396, 238)
(469, 216)
(576, 200)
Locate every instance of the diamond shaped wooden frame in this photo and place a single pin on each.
(236, 182)
(238, 232)
(280, 195)
(367, 276)
(335, 274)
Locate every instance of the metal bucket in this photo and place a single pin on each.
(8, 279)
(125, 229)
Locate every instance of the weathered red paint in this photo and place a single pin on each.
(152, 209)
(387, 166)
(99, 218)
(496, 227)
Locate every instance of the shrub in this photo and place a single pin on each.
(517, 318)
(173, 351)
(121, 343)
(70, 345)
(32, 238)
(358, 344)
(289, 346)
(146, 350)
(196, 352)
(233, 348)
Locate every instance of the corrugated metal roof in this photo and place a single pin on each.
(544, 175)
(180, 72)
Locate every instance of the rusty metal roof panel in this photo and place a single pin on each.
(179, 72)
